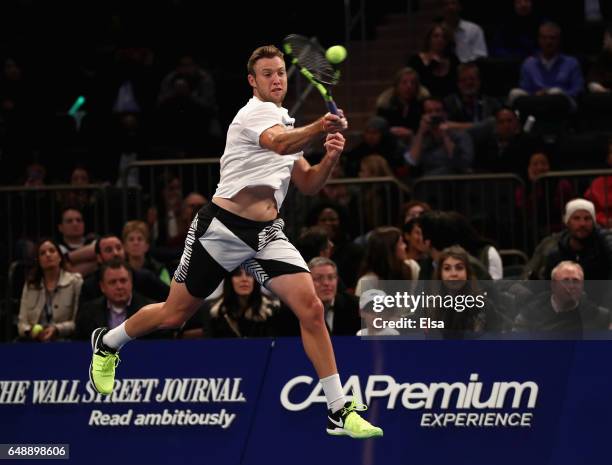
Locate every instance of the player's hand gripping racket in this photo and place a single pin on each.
(310, 59)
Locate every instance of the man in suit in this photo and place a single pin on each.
(118, 301)
(341, 309)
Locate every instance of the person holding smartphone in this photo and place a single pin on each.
(436, 149)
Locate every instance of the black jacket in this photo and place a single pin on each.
(145, 283)
(539, 316)
(94, 314)
(346, 320)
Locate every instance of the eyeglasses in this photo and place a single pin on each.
(324, 277)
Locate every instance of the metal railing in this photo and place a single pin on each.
(487, 200)
(199, 175)
(368, 202)
(33, 212)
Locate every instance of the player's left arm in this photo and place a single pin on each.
(310, 179)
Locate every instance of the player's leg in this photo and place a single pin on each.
(196, 277)
(297, 291)
(280, 267)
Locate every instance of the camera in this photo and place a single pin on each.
(436, 120)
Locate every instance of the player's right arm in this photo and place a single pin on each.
(286, 141)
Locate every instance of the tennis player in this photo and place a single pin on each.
(240, 227)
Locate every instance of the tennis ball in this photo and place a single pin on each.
(36, 329)
(336, 54)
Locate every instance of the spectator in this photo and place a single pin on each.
(346, 254)
(550, 71)
(385, 259)
(516, 35)
(436, 149)
(339, 194)
(117, 303)
(374, 202)
(543, 200)
(110, 247)
(468, 37)
(72, 230)
(376, 139)
(129, 144)
(413, 237)
(479, 247)
(454, 277)
(188, 107)
(400, 104)
(436, 65)
(136, 245)
(368, 315)
(469, 106)
(600, 193)
(81, 199)
(600, 74)
(192, 204)
(501, 147)
(35, 175)
(341, 309)
(581, 242)
(413, 209)
(438, 231)
(242, 311)
(565, 309)
(130, 84)
(50, 296)
(164, 217)
(314, 242)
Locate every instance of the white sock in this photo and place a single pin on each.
(333, 392)
(116, 338)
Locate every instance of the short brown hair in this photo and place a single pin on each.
(266, 51)
(135, 226)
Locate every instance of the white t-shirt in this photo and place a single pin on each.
(245, 163)
(469, 42)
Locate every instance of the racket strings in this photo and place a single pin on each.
(311, 56)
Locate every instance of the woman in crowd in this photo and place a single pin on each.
(544, 199)
(385, 260)
(436, 64)
(136, 242)
(455, 278)
(50, 296)
(400, 104)
(242, 311)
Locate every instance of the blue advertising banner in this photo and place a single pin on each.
(440, 402)
(187, 402)
(259, 402)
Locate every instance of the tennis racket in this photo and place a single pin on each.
(308, 55)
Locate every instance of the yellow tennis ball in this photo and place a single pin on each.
(336, 54)
(36, 329)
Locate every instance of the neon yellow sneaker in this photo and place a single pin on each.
(347, 422)
(103, 363)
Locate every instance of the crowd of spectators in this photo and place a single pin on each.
(437, 118)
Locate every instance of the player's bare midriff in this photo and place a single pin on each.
(253, 203)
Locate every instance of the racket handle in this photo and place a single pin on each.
(331, 106)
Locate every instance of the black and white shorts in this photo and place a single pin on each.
(219, 241)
